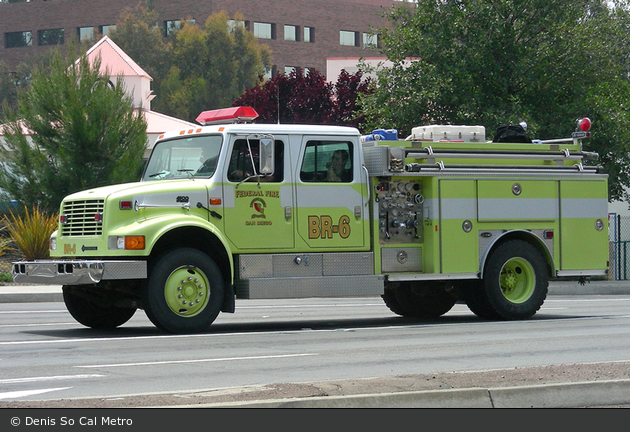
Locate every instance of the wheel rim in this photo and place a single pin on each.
(518, 280)
(187, 291)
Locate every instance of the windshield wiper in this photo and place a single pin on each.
(187, 171)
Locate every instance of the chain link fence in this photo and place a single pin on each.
(619, 236)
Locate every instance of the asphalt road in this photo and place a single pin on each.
(324, 352)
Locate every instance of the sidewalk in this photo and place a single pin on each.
(52, 293)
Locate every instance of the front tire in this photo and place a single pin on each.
(184, 292)
(515, 283)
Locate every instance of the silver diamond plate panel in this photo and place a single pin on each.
(297, 265)
(376, 159)
(305, 265)
(401, 260)
(333, 286)
(345, 264)
(251, 266)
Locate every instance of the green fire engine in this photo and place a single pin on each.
(233, 210)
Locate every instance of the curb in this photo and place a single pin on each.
(572, 395)
(30, 293)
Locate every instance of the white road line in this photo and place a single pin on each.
(335, 305)
(39, 325)
(48, 378)
(197, 360)
(609, 299)
(33, 312)
(23, 393)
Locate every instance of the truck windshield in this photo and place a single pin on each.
(184, 157)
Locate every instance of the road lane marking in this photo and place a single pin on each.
(268, 333)
(39, 325)
(198, 360)
(48, 378)
(24, 393)
(33, 311)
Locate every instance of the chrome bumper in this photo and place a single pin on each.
(76, 272)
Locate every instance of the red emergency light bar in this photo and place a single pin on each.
(227, 115)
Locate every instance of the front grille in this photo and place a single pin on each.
(80, 218)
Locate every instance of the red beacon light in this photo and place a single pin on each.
(583, 128)
(584, 124)
(227, 115)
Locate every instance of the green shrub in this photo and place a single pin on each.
(31, 232)
(4, 241)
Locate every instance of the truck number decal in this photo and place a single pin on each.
(322, 227)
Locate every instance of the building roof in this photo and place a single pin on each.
(114, 61)
(158, 123)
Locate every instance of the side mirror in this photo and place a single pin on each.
(267, 156)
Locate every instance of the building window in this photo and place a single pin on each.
(291, 33)
(348, 38)
(290, 69)
(370, 40)
(18, 39)
(85, 33)
(264, 30)
(269, 72)
(50, 37)
(172, 26)
(234, 24)
(107, 28)
(309, 34)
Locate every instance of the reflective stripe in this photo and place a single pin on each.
(516, 208)
(328, 196)
(455, 208)
(583, 208)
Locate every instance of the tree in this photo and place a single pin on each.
(210, 66)
(138, 35)
(490, 62)
(307, 98)
(84, 134)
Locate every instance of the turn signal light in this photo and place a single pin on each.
(134, 242)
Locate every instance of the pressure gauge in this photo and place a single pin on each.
(409, 187)
(400, 187)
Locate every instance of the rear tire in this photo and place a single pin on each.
(94, 314)
(417, 300)
(184, 292)
(514, 286)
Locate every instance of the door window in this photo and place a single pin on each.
(245, 162)
(327, 161)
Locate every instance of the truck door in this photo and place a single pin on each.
(257, 214)
(330, 187)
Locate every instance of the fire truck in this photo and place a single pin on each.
(233, 210)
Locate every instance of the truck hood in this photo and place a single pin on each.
(141, 189)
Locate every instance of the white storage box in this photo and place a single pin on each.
(455, 133)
